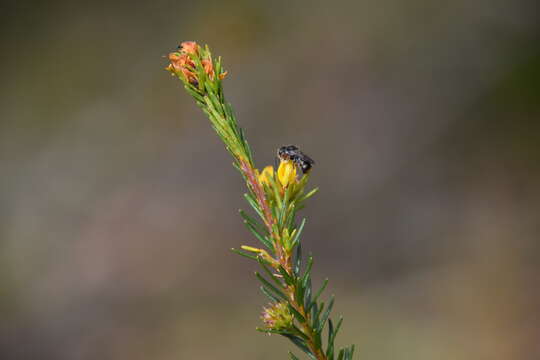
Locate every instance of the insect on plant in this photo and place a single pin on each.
(295, 310)
(291, 152)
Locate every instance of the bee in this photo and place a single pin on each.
(291, 152)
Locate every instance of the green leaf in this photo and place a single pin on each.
(288, 279)
(306, 275)
(298, 260)
(229, 112)
(275, 228)
(291, 215)
(260, 237)
(330, 345)
(283, 206)
(308, 195)
(270, 286)
(325, 315)
(320, 291)
(299, 293)
(292, 356)
(247, 148)
(249, 256)
(287, 195)
(296, 314)
(270, 273)
(194, 93)
(332, 336)
(269, 295)
(340, 355)
(318, 341)
(248, 217)
(299, 231)
(257, 225)
(307, 296)
(216, 104)
(217, 118)
(300, 333)
(316, 315)
(301, 344)
(338, 326)
(254, 205)
(277, 197)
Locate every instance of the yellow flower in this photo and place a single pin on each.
(286, 172)
(267, 172)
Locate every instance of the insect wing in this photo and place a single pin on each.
(306, 158)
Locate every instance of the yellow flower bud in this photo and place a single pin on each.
(286, 172)
(266, 173)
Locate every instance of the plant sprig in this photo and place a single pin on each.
(294, 312)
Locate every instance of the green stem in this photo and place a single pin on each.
(276, 204)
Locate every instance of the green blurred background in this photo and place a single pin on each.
(119, 205)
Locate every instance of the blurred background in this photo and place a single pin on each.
(119, 205)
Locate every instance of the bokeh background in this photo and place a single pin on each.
(119, 205)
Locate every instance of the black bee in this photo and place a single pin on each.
(291, 152)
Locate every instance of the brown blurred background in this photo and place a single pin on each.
(119, 205)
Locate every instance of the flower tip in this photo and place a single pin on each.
(189, 47)
(286, 172)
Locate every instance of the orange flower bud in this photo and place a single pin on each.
(208, 68)
(182, 63)
(190, 76)
(174, 58)
(189, 47)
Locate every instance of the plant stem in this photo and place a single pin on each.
(275, 196)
